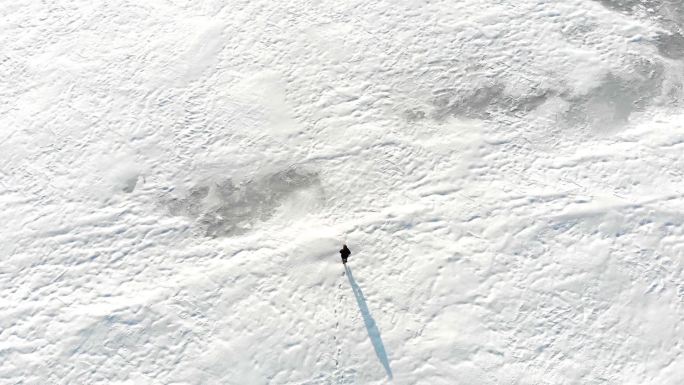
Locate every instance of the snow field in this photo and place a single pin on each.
(178, 177)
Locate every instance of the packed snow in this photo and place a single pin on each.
(177, 178)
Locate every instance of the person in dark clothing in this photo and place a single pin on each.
(345, 252)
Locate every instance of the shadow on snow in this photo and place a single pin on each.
(371, 327)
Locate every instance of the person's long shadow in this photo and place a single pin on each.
(371, 326)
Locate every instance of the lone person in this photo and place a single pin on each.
(345, 253)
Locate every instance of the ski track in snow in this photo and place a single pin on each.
(177, 178)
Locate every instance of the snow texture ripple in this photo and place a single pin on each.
(177, 176)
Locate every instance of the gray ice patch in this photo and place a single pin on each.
(671, 45)
(608, 105)
(226, 208)
(481, 102)
(612, 102)
(414, 115)
(129, 184)
(627, 6)
(668, 13)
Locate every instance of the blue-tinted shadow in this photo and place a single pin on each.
(371, 326)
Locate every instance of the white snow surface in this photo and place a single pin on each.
(177, 178)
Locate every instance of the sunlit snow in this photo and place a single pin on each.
(177, 178)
